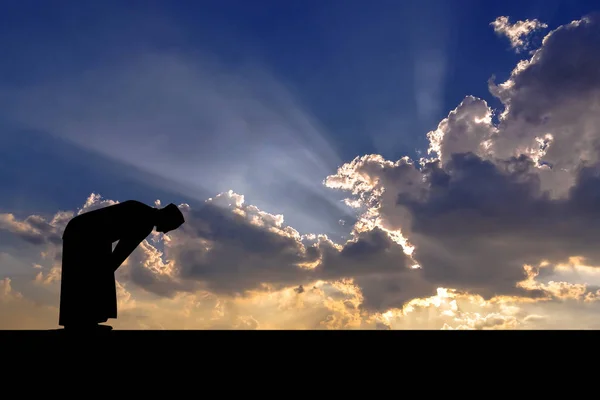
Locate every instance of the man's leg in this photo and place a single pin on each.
(107, 293)
(84, 284)
(68, 312)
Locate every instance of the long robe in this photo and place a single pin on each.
(88, 287)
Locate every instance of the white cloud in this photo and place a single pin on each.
(518, 32)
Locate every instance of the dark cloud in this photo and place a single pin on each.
(46, 231)
(34, 229)
(564, 69)
(236, 255)
(556, 92)
(479, 223)
(229, 253)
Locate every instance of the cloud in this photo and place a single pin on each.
(20, 312)
(487, 202)
(551, 100)
(518, 32)
(34, 229)
(235, 250)
(7, 294)
(477, 235)
(230, 248)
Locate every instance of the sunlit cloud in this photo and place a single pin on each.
(518, 32)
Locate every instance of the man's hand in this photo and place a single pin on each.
(126, 246)
(114, 266)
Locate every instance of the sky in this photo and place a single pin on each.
(340, 164)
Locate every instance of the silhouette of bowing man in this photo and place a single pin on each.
(88, 293)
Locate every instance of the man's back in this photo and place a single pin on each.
(113, 222)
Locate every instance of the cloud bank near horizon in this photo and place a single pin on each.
(493, 229)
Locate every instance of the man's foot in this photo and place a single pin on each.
(103, 327)
(88, 327)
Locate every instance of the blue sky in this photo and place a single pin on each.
(182, 100)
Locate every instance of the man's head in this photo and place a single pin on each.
(169, 218)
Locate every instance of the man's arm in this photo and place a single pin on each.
(125, 247)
